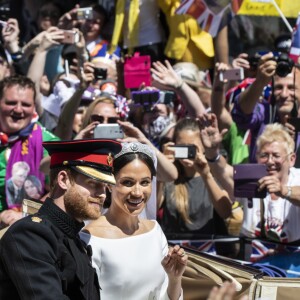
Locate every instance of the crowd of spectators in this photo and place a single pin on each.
(50, 89)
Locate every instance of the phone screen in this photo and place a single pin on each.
(184, 151)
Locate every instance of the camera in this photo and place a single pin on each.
(100, 73)
(284, 63)
(85, 13)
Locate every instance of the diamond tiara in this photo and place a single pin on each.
(135, 147)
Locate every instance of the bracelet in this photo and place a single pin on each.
(214, 159)
(179, 86)
(289, 193)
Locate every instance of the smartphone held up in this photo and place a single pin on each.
(111, 131)
(246, 178)
(184, 151)
(70, 37)
(232, 74)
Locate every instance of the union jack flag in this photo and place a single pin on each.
(211, 15)
(295, 47)
(207, 246)
(262, 249)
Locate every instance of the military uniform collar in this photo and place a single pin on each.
(62, 220)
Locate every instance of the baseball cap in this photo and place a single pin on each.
(189, 73)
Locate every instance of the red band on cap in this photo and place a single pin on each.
(59, 158)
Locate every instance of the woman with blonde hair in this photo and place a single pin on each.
(101, 110)
(194, 202)
(273, 221)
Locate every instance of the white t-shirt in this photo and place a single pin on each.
(130, 268)
(282, 218)
(150, 29)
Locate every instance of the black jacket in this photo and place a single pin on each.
(42, 257)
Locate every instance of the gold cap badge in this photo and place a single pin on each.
(109, 159)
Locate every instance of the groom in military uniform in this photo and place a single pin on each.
(41, 256)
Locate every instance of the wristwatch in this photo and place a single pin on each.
(289, 193)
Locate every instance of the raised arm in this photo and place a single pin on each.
(218, 196)
(65, 122)
(211, 140)
(69, 19)
(221, 46)
(218, 99)
(166, 171)
(166, 78)
(10, 35)
(265, 71)
(49, 39)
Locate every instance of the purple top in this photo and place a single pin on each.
(256, 122)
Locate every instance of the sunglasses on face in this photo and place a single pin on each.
(101, 119)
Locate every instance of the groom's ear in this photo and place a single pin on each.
(109, 187)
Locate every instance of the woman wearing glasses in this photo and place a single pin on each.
(281, 220)
(275, 218)
(101, 111)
